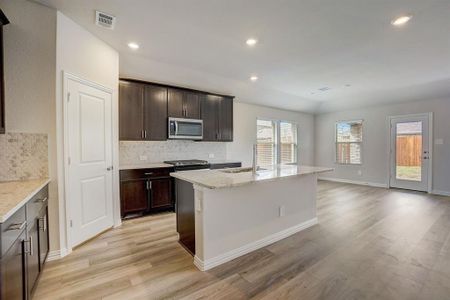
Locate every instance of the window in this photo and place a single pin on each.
(266, 142)
(276, 142)
(348, 142)
(288, 143)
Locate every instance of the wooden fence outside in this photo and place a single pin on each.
(409, 150)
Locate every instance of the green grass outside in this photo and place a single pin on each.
(409, 173)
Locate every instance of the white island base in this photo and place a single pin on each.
(233, 221)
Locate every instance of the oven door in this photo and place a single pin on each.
(186, 129)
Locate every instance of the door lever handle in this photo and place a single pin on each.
(109, 168)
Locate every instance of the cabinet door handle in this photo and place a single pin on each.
(142, 134)
(148, 173)
(30, 246)
(145, 134)
(17, 226)
(43, 200)
(43, 220)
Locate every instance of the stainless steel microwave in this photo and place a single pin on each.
(185, 129)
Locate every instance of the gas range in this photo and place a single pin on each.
(188, 164)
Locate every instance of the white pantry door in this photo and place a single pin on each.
(89, 161)
(410, 152)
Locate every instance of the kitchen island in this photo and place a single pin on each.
(224, 214)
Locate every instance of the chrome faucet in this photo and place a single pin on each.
(255, 152)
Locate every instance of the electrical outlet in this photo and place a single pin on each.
(142, 157)
(211, 155)
(439, 142)
(281, 211)
(359, 172)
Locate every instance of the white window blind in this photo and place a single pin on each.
(265, 141)
(288, 143)
(348, 142)
(276, 142)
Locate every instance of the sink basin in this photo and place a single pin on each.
(240, 170)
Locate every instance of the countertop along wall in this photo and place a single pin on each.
(375, 153)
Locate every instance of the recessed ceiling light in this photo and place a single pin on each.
(251, 42)
(133, 46)
(401, 20)
(254, 78)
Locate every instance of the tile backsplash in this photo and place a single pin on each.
(130, 152)
(23, 156)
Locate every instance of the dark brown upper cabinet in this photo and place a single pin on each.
(155, 113)
(3, 21)
(217, 116)
(144, 108)
(131, 111)
(183, 104)
(142, 112)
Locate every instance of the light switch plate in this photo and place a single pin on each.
(439, 142)
(211, 155)
(142, 157)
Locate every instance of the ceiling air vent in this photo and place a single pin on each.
(104, 20)
(324, 89)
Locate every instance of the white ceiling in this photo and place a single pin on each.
(303, 45)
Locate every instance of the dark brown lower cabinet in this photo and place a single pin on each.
(13, 270)
(33, 255)
(133, 196)
(161, 193)
(24, 247)
(145, 191)
(186, 214)
(43, 237)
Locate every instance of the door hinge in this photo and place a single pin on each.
(68, 97)
(68, 160)
(71, 223)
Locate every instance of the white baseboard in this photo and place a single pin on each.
(374, 184)
(57, 254)
(440, 193)
(235, 253)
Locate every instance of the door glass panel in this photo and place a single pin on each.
(409, 151)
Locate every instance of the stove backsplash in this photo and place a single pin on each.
(131, 152)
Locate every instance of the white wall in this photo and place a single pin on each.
(244, 125)
(376, 138)
(82, 54)
(134, 66)
(30, 62)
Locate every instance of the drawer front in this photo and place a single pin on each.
(145, 173)
(35, 205)
(12, 228)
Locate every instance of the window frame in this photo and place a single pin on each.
(277, 144)
(361, 144)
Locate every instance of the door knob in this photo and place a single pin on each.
(109, 168)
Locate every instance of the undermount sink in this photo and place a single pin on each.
(240, 170)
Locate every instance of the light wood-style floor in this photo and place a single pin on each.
(371, 243)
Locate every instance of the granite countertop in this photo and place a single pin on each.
(215, 179)
(14, 195)
(145, 166)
